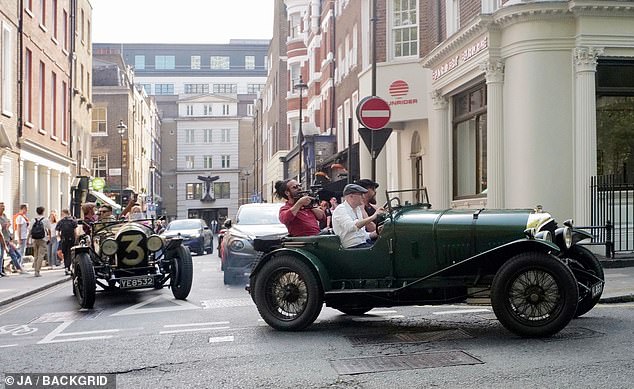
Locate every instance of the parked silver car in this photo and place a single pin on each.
(252, 221)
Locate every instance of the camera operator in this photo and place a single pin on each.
(300, 214)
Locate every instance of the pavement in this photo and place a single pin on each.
(619, 281)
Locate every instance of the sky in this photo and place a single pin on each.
(180, 21)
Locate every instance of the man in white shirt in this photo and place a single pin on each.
(348, 221)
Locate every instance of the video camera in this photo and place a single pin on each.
(313, 193)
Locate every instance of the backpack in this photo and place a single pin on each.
(66, 228)
(37, 231)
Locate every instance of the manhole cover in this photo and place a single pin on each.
(573, 333)
(227, 303)
(408, 337)
(403, 362)
(54, 317)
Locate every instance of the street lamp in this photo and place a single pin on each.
(152, 173)
(301, 86)
(121, 130)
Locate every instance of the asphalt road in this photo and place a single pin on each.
(216, 339)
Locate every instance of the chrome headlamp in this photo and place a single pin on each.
(545, 235)
(154, 243)
(109, 246)
(567, 234)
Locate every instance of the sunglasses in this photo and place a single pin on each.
(294, 187)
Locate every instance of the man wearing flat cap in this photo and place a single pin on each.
(349, 221)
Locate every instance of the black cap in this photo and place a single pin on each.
(367, 183)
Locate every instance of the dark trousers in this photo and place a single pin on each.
(66, 245)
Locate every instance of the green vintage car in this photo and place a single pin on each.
(534, 272)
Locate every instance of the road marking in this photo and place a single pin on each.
(195, 324)
(8, 345)
(193, 330)
(57, 332)
(227, 303)
(462, 311)
(177, 305)
(375, 312)
(32, 298)
(219, 339)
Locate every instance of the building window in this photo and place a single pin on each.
(6, 70)
(207, 109)
(164, 89)
(254, 88)
(219, 62)
(404, 28)
(225, 110)
(43, 12)
(54, 17)
(295, 26)
(28, 86)
(189, 136)
(207, 135)
(250, 109)
(53, 104)
(222, 190)
(189, 110)
(194, 191)
(65, 29)
(470, 143)
(225, 161)
(42, 91)
(207, 161)
(100, 166)
(189, 161)
(249, 62)
(83, 26)
(139, 62)
(99, 121)
(195, 62)
(163, 62)
(225, 88)
(225, 135)
(452, 17)
(196, 88)
(64, 112)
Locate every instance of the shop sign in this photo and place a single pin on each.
(398, 89)
(457, 60)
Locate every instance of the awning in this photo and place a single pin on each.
(101, 198)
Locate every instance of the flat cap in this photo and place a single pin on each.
(353, 188)
(367, 183)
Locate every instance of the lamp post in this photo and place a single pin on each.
(152, 207)
(246, 178)
(121, 130)
(300, 136)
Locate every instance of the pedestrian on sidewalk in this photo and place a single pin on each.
(21, 229)
(5, 238)
(52, 246)
(66, 230)
(40, 234)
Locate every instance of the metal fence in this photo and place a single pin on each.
(612, 213)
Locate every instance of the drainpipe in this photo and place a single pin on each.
(20, 70)
(71, 85)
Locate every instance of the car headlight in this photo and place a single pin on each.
(236, 245)
(545, 235)
(154, 243)
(567, 236)
(109, 246)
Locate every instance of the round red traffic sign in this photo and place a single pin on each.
(373, 112)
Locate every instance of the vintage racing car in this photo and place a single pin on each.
(534, 271)
(129, 255)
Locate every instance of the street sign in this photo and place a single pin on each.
(375, 139)
(98, 183)
(373, 112)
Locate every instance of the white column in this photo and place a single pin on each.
(22, 184)
(45, 188)
(54, 195)
(585, 130)
(440, 152)
(64, 184)
(32, 186)
(494, 70)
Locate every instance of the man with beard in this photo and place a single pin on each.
(298, 214)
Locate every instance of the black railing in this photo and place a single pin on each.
(612, 212)
(601, 236)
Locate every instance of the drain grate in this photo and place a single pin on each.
(403, 362)
(54, 317)
(408, 337)
(573, 333)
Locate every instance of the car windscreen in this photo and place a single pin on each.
(183, 225)
(258, 216)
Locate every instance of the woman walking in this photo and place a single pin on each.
(52, 245)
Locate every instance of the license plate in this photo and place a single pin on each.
(136, 282)
(597, 289)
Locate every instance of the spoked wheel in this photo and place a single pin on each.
(589, 273)
(84, 282)
(287, 294)
(534, 295)
(181, 273)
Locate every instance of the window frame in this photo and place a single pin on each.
(394, 29)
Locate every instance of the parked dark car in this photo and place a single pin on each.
(535, 273)
(252, 221)
(195, 234)
(128, 255)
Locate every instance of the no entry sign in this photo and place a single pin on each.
(373, 112)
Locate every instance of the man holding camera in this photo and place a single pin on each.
(300, 214)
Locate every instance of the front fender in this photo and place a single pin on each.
(308, 258)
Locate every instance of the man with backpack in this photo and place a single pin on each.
(40, 234)
(66, 229)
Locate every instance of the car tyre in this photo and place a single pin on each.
(182, 273)
(585, 263)
(84, 281)
(534, 295)
(287, 294)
